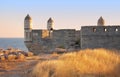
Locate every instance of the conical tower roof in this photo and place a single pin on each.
(101, 21)
(28, 17)
(50, 20)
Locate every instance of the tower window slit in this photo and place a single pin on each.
(116, 29)
(105, 29)
(94, 29)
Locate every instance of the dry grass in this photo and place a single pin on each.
(85, 63)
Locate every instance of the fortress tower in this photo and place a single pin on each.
(50, 40)
(101, 22)
(50, 24)
(28, 28)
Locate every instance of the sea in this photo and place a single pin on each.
(17, 43)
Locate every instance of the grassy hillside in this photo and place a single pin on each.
(85, 63)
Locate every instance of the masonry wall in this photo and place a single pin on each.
(77, 35)
(40, 41)
(100, 37)
(64, 38)
(36, 36)
(43, 41)
(77, 39)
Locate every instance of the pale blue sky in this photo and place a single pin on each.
(66, 14)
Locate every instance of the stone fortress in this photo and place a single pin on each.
(49, 40)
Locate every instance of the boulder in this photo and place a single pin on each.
(21, 57)
(2, 58)
(11, 57)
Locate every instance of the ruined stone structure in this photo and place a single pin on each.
(48, 40)
(100, 37)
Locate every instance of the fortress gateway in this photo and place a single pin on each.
(49, 40)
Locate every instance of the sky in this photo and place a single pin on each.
(67, 14)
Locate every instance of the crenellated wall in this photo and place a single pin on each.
(100, 37)
(87, 37)
(43, 41)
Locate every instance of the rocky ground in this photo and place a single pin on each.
(12, 54)
(18, 68)
(15, 62)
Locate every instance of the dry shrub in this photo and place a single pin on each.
(85, 63)
(48, 69)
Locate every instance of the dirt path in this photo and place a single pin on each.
(16, 69)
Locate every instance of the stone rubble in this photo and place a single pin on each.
(12, 54)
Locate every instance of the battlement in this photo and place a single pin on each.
(113, 30)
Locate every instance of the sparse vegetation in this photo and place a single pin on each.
(85, 63)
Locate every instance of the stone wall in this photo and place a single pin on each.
(100, 37)
(43, 42)
(77, 35)
(88, 37)
(64, 38)
(37, 35)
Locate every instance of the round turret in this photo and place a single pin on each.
(28, 22)
(50, 20)
(28, 17)
(28, 28)
(101, 22)
(50, 23)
